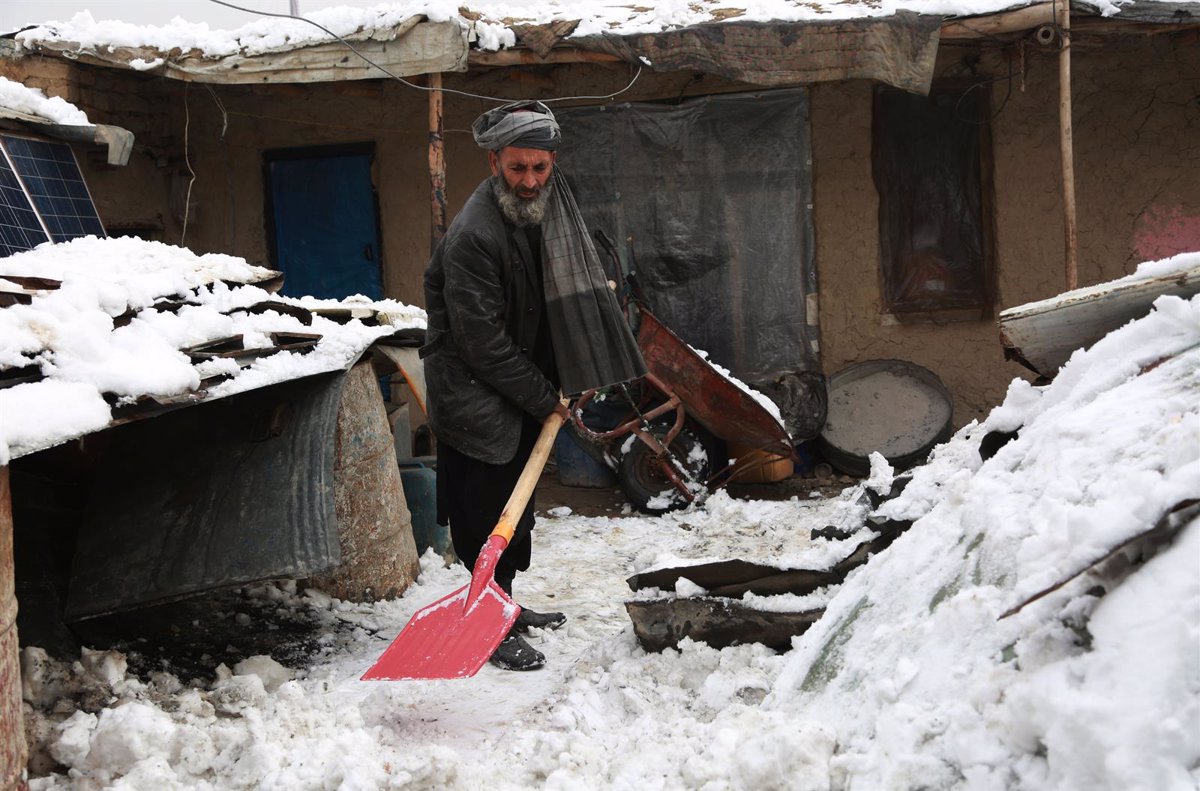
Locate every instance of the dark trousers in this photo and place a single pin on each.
(472, 493)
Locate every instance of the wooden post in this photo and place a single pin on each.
(1063, 9)
(13, 754)
(437, 163)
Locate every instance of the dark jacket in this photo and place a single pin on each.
(484, 306)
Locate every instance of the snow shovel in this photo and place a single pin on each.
(455, 635)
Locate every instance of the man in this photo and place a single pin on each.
(490, 361)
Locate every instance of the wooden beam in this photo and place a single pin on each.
(1067, 145)
(418, 48)
(437, 164)
(998, 24)
(527, 57)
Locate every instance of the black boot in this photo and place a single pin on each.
(514, 653)
(528, 619)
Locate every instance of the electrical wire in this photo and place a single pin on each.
(187, 200)
(349, 46)
(1008, 93)
(221, 107)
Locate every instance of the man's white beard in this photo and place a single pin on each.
(519, 211)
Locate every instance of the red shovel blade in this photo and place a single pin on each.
(455, 635)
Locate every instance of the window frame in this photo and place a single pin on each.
(983, 307)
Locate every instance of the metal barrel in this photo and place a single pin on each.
(379, 554)
(13, 752)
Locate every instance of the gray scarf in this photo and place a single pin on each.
(593, 345)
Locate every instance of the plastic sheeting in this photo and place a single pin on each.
(898, 49)
(709, 202)
(928, 171)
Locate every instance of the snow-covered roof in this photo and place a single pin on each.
(97, 329)
(428, 36)
(491, 21)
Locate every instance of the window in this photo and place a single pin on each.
(42, 195)
(931, 165)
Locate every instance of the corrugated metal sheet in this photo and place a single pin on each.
(220, 494)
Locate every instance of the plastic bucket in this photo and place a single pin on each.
(577, 468)
(420, 489)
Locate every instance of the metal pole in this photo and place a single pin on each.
(1063, 10)
(437, 163)
(295, 7)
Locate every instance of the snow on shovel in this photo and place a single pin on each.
(455, 635)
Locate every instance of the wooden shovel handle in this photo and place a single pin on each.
(515, 506)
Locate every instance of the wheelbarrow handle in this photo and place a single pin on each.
(507, 524)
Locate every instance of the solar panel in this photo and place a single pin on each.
(51, 177)
(19, 226)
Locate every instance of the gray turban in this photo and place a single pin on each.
(526, 124)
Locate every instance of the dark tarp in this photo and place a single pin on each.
(709, 202)
(897, 50)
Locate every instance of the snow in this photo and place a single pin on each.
(32, 101)
(911, 679)
(488, 20)
(72, 335)
(1175, 265)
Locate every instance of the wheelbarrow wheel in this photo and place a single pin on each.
(647, 487)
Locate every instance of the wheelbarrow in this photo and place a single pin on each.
(666, 443)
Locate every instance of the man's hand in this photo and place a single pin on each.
(561, 410)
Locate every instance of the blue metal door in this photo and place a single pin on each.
(325, 230)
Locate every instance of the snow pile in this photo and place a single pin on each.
(1092, 686)
(32, 101)
(912, 679)
(72, 333)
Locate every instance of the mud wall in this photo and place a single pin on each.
(1137, 160)
(136, 196)
(1137, 166)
